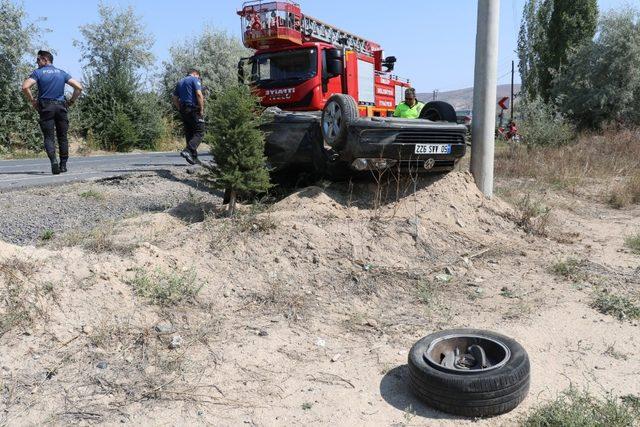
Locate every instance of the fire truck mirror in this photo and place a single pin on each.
(335, 62)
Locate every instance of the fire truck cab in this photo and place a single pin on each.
(330, 96)
(300, 62)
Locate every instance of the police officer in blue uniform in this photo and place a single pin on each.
(52, 106)
(189, 100)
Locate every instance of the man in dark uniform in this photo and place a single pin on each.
(188, 99)
(52, 106)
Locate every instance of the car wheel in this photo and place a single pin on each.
(439, 111)
(338, 113)
(469, 372)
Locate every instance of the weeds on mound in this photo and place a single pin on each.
(166, 288)
(575, 408)
(633, 243)
(617, 306)
(532, 216)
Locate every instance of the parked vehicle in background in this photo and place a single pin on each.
(510, 133)
(464, 117)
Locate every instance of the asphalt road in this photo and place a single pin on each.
(20, 174)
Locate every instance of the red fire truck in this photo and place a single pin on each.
(333, 95)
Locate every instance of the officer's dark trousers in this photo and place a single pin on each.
(54, 122)
(193, 127)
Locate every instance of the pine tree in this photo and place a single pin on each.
(237, 144)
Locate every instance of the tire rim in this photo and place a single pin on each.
(467, 354)
(332, 122)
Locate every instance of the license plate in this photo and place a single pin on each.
(433, 149)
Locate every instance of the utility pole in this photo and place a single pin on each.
(513, 101)
(484, 95)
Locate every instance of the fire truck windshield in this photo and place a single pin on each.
(284, 68)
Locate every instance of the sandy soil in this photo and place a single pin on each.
(306, 311)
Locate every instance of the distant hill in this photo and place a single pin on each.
(462, 99)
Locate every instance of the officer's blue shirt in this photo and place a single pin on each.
(186, 90)
(51, 82)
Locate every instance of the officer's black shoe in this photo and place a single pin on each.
(187, 156)
(63, 167)
(55, 169)
(194, 156)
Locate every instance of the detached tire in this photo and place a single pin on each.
(462, 388)
(338, 113)
(439, 111)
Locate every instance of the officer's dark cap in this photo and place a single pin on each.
(193, 70)
(46, 55)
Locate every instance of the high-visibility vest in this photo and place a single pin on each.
(406, 112)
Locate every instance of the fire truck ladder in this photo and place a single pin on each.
(315, 29)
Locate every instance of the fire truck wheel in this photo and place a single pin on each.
(439, 111)
(338, 113)
(469, 372)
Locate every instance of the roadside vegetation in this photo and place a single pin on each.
(166, 288)
(578, 117)
(633, 243)
(620, 307)
(125, 104)
(575, 408)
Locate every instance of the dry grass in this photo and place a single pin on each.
(142, 365)
(609, 154)
(21, 301)
(279, 298)
(532, 215)
(98, 240)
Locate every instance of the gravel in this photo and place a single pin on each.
(28, 216)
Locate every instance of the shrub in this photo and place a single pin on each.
(541, 125)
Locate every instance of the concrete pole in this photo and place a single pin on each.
(484, 95)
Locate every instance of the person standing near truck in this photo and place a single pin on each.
(52, 106)
(189, 100)
(411, 107)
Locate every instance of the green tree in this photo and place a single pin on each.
(18, 121)
(601, 83)
(572, 24)
(116, 51)
(529, 36)
(237, 144)
(549, 32)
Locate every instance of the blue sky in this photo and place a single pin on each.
(433, 40)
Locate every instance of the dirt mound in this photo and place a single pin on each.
(300, 312)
